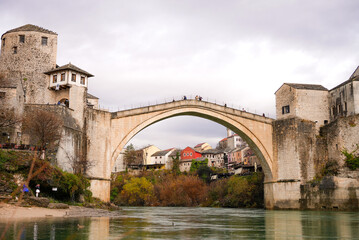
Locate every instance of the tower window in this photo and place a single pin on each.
(82, 80)
(44, 41)
(73, 77)
(54, 79)
(14, 49)
(285, 109)
(62, 77)
(21, 38)
(3, 42)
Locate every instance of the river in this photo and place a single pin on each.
(192, 223)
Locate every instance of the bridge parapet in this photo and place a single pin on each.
(191, 103)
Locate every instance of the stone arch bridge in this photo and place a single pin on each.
(108, 133)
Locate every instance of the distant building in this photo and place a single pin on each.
(214, 157)
(234, 141)
(161, 159)
(185, 165)
(143, 157)
(120, 165)
(202, 146)
(189, 153)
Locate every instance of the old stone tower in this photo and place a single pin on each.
(30, 78)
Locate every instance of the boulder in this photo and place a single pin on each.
(58, 206)
(38, 201)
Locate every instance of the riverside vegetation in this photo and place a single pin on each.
(15, 167)
(172, 189)
(149, 188)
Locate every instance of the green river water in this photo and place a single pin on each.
(192, 223)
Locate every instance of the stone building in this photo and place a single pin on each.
(143, 157)
(316, 103)
(30, 79)
(344, 98)
(305, 101)
(202, 146)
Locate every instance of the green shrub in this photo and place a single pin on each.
(197, 164)
(351, 159)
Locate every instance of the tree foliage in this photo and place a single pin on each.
(130, 155)
(176, 163)
(8, 118)
(138, 192)
(197, 164)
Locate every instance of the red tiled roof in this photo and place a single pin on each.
(199, 144)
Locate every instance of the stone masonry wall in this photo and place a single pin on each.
(313, 105)
(30, 62)
(71, 142)
(302, 155)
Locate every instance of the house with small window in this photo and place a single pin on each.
(306, 101)
(190, 153)
(161, 159)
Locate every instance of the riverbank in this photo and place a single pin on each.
(13, 212)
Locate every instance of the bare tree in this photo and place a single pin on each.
(43, 127)
(8, 118)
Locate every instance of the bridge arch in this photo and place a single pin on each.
(254, 129)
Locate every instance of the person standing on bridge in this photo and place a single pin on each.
(196, 97)
(184, 97)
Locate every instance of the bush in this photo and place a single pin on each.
(204, 172)
(137, 192)
(352, 159)
(186, 191)
(195, 165)
(217, 192)
(237, 191)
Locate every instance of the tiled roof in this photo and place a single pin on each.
(69, 67)
(174, 153)
(355, 73)
(224, 139)
(161, 153)
(91, 96)
(30, 27)
(199, 144)
(353, 78)
(307, 86)
(211, 151)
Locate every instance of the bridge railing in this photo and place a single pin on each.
(179, 98)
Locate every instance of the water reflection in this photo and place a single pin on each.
(193, 223)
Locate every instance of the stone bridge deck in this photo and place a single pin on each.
(189, 103)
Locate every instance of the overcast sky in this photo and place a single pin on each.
(234, 52)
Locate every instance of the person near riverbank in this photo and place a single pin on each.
(37, 190)
(25, 189)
